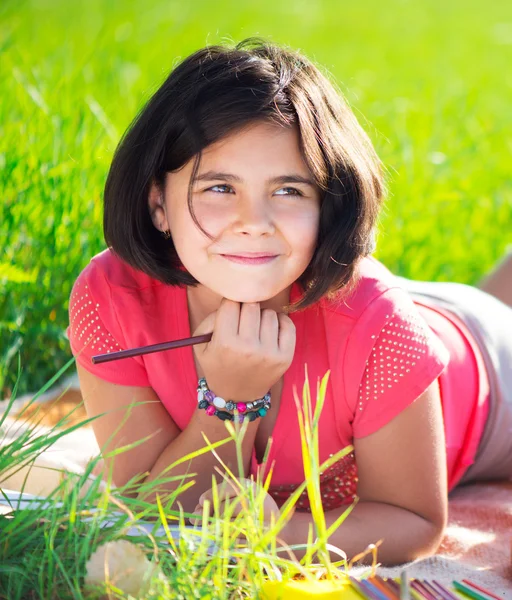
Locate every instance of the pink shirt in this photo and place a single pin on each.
(382, 349)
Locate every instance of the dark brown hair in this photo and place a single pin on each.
(214, 92)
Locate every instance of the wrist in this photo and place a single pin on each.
(229, 410)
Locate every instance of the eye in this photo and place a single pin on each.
(215, 188)
(293, 192)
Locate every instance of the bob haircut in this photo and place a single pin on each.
(214, 92)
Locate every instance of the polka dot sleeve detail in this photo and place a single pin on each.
(90, 308)
(406, 359)
(85, 325)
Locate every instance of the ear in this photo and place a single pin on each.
(156, 205)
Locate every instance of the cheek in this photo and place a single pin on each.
(212, 218)
(305, 230)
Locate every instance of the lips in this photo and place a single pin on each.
(250, 260)
(250, 255)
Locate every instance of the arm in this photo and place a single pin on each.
(166, 446)
(402, 488)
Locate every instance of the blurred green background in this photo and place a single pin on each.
(430, 81)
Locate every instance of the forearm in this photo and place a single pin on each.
(191, 440)
(406, 535)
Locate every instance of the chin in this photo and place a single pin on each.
(244, 298)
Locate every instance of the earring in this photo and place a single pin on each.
(166, 234)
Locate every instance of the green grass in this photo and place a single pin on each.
(44, 553)
(430, 82)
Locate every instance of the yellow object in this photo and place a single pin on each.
(304, 589)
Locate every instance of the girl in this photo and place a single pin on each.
(243, 201)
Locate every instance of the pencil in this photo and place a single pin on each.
(468, 590)
(366, 584)
(422, 590)
(383, 586)
(365, 593)
(481, 589)
(434, 591)
(394, 586)
(191, 341)
(414, 594)
(446, 591)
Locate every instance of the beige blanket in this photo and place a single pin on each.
(477, 544)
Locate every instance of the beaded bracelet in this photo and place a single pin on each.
(207, 400)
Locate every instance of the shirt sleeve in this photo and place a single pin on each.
(92, 322)
(405, 359)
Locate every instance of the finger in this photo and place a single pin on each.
(224, 491)
(287, 334)
(206, 326)
(269, 329)
(226, 322)
(235, 510)
(197, 520)
(250, 318)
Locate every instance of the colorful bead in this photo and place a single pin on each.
(219, 402)
(224, 416)
(211, 403)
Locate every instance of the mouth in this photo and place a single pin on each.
(253, 259)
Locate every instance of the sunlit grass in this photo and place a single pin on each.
(44, 553)
(430, 82)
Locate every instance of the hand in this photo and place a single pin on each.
(228, 490)
(249, 351)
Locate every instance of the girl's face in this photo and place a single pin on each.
(253, 193)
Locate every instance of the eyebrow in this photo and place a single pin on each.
(281, 179)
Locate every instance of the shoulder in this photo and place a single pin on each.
(111, 291)
(106, 274)
(376, 289)
(112, 299)
(117, 273)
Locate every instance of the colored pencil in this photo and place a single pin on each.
(395, 586)
(434, 591)
(366, 594)
(469, 591)
(191, 341)
(413, 594)
(446, 591)
(481, 589)
(416, 585)
(367, 584)
(386, 589)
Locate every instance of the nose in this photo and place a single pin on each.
(254, 216)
